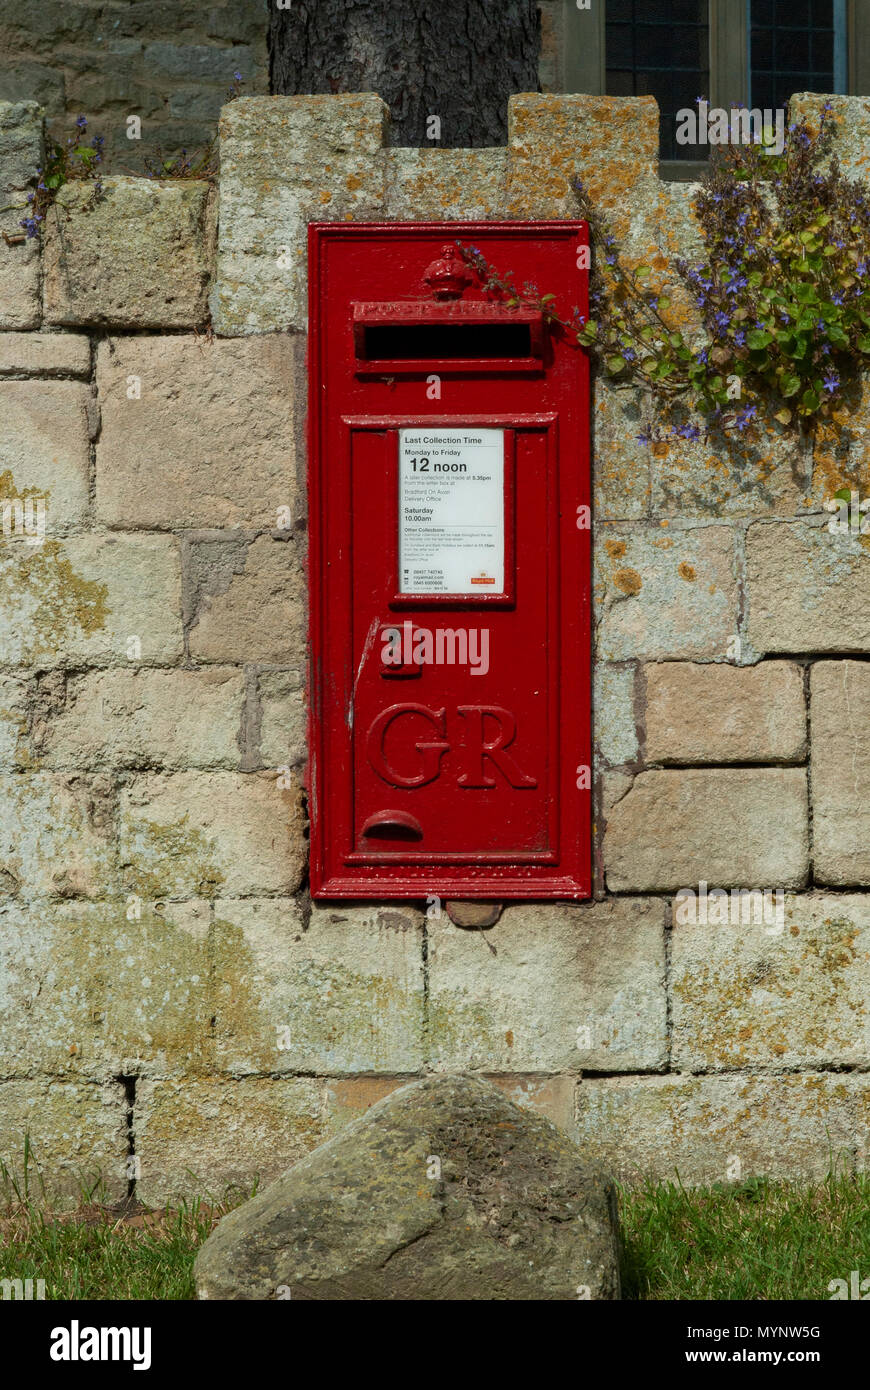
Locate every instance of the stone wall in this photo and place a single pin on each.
(169, 62)
(174, 1011)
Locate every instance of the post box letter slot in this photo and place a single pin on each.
(400, 342)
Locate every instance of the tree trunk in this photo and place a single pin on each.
(454, 60)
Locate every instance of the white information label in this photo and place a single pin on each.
(451, 511)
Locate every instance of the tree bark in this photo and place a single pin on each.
(457, 60)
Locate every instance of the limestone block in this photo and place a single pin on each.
(104, 989)
(726, 475)
(45, 453)
(192, 834)
(790, 990)
(250, 605)
(138, 256)
(20, 157)
(610, 142)
(725, 714)
(87, 599)
(342, 994)
(198, 1136)
(550, 989)
(283, 735)
(613, 713)
(209, 441)
(45, 354)
(711, 1128)
(78, 1138)
(839, 769)
(665, 592)
(621, 475)
(287, 161)
(136, 718)
(57, 835)
(14, 699)
(808, 589)
(433, 185)
(732, 827)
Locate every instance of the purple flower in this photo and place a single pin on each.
(745, 417)
(831, 383)
(237, 77)
(82, 122)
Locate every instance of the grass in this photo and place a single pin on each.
(751, 1240)
(755, 1239)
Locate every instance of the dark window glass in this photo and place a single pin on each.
(823, 52)
(762, 50)
(660, 48)
(620, 46)
(620, 84)
(791, 49)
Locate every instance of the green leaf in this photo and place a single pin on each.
(789, 384)
(759, 338)
(783, 416)
(615, 365)
(810, 400)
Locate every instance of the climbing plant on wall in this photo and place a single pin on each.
(781, 298)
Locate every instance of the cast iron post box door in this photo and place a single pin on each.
(449, 566)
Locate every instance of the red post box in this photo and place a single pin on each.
(449, 566)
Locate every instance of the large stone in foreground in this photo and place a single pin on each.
(513, 1214)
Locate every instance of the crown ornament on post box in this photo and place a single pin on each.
(448, 276)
